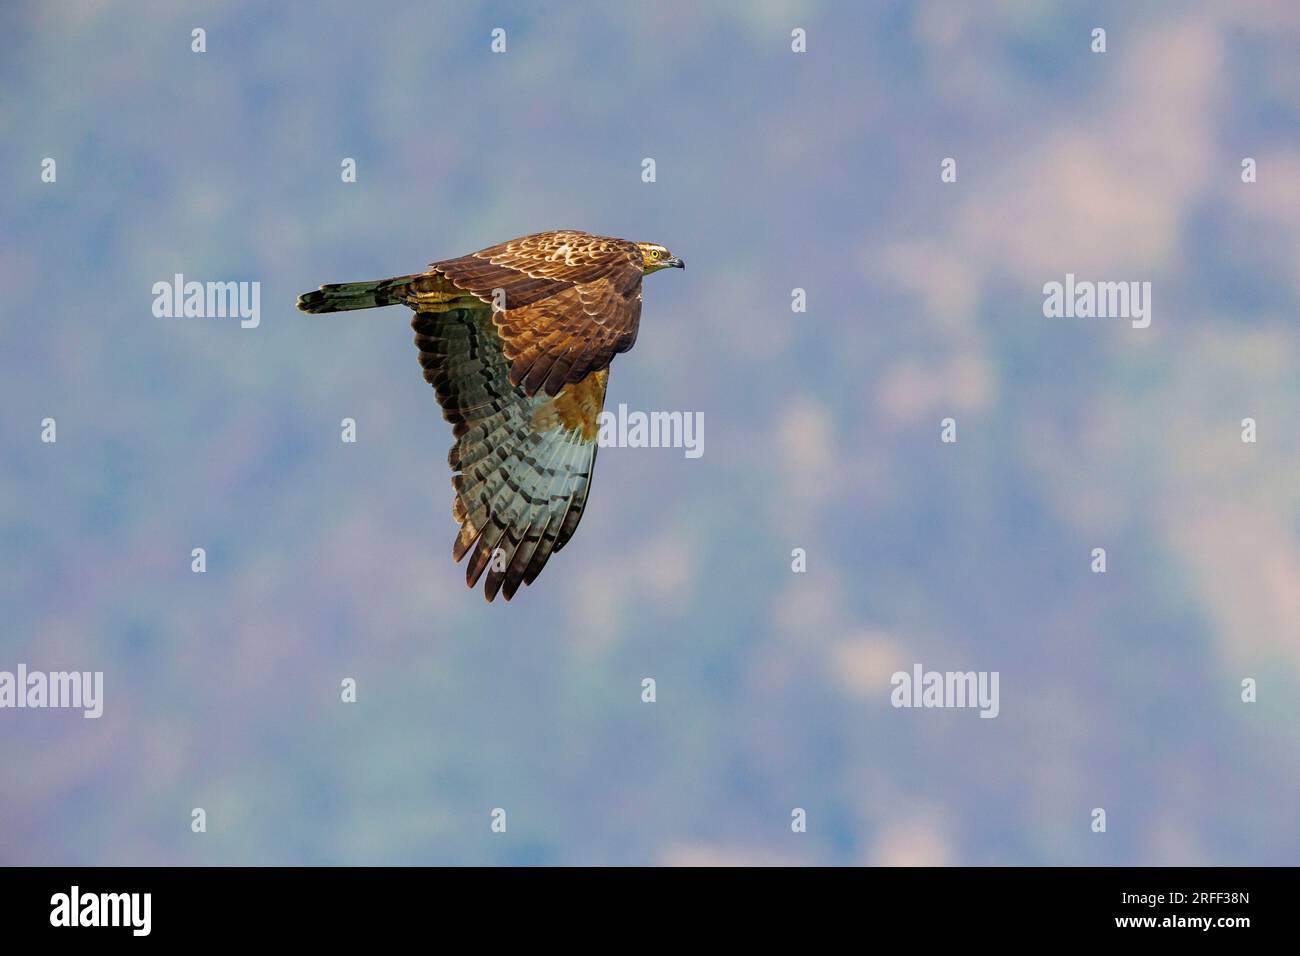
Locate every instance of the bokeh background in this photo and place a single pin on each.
(775, 171)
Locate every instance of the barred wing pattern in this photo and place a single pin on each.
(523, 460)
(572, 302)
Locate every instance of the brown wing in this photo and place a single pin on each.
(523, 462)
(572, 301)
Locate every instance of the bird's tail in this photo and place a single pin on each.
(345, 296)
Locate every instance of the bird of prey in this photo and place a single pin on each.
(517, 340)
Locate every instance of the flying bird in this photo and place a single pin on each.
(517, 340)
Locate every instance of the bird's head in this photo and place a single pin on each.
(655, 257)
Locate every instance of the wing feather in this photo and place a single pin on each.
(523, 461)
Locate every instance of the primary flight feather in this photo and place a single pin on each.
(516, 340)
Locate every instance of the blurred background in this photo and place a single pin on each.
(775, 170)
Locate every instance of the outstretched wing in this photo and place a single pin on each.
(572, 301)
(523, 461)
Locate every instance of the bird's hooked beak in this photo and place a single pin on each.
(672, 262)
